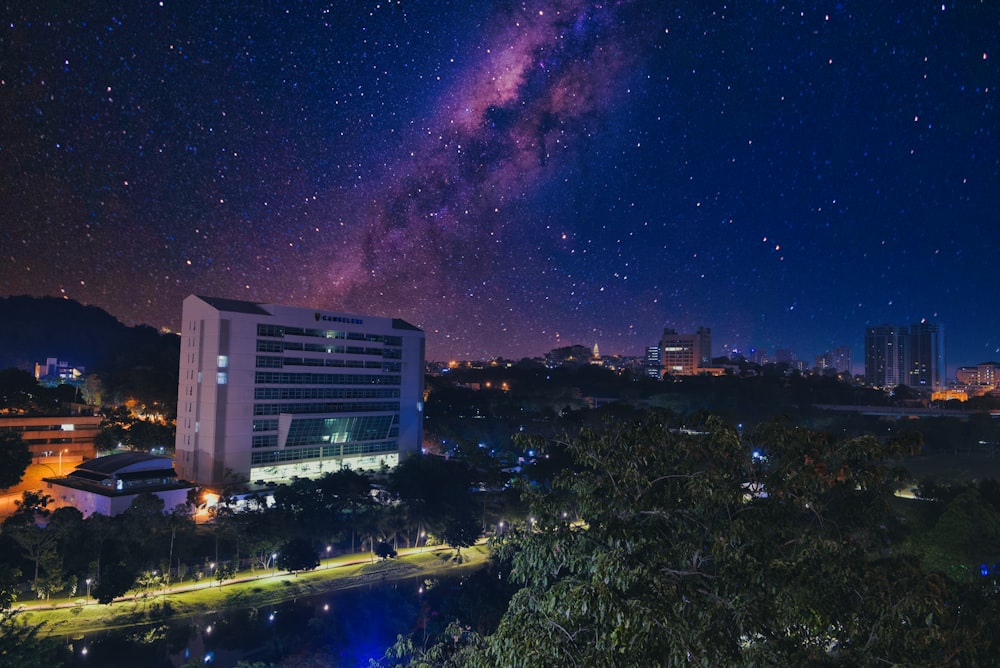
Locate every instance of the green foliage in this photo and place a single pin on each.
(438, 493)
(451, 650)
(15, 456)
(115, 580)
(462, 528)
(298, 554)
(966, 535)
(21, 644)
(384, 550)
(32, 507)
(690, 550)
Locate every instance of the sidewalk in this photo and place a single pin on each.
(331, 564)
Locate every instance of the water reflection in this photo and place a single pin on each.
(346, 627)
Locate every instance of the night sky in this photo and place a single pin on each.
(513, 177)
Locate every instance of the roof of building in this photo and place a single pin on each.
(123, 474)
(126, 462)
(397, 323)
(253, 308)
(234, 305)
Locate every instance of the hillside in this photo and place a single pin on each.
(131, 361)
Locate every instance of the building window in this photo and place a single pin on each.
(222, 378)
(223, 361)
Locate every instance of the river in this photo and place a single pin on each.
(343, 628)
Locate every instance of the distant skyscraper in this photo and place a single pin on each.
(824, 362)
(269, 392)
(703, 341)
(842, 359)
(925, 359)
(885, 355)
(911, 356)
(784, 356)
(838, 361)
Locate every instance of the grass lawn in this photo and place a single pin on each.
(73, 617)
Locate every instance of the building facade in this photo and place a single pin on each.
(653, 365)
(926, 361)
(885, 356)
(109, 485)
(55, 436)
(842, 359)
(984, 374)
(685, 354)
(913, 356)
(270, 392)
(55, 371)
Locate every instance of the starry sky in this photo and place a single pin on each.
(514, 176)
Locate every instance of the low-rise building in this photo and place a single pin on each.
(109, 485)
(51, 435)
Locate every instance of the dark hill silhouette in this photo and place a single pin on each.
(131, 361)
(34, 328)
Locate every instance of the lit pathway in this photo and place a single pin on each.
(333, 563)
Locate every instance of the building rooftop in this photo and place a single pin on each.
(126, 462)
(234, 305)
(123, 474)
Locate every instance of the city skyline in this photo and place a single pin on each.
(512, 178)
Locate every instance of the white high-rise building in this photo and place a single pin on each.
(268, 392)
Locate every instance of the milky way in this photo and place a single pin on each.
(439, 224)
(513, 176)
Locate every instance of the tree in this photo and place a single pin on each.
(19, 391)
(53, 578)
(100, 529)
(676, 562)
(72, 543)
(966, 535)
(347, 493)
(179, 520)
(298, 554)
(147, 435)
(15, 456)
(145, 528)
(434, 489)
(38, 544)
(384, 550)
(32, 508)
(462, 528)
(20, 642)
(115, 580)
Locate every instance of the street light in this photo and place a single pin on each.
(328, 556)
(89, 580)
(274, 562)
(423, 536)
